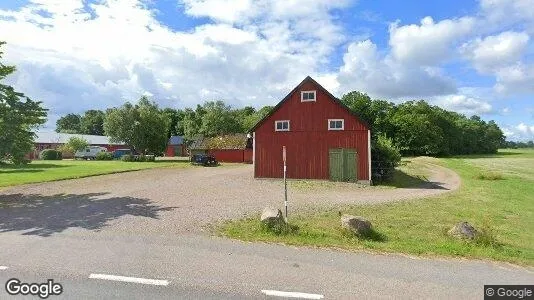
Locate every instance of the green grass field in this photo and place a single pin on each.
(503, 208)
(42, 171)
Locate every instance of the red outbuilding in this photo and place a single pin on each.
(324, 139)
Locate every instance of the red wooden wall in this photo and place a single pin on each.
(172, 150)
(232, 155)
(309, 139)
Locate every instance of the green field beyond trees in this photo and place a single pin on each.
(496, 196)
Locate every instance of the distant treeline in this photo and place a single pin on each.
(414, 127)
(516, 145)
(209, 119)
(418, 128)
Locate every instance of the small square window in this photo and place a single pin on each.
(307, 96)
(336, 124)
(281, 125)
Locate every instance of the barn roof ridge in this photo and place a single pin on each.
(309, 79)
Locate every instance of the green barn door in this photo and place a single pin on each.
(343, 164)
(350, 161)
(336, 164)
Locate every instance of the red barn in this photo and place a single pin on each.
(324, 139)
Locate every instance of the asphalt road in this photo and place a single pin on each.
(116, 236)
(201, 267)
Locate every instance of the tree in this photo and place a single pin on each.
(251, 120)
(19, 116)
(142, 126)
(92, 122)
(218, 119)
(176, 117)
(191, 123)
(416, 130)
(76, 144)
(377, 113)
(70, 123)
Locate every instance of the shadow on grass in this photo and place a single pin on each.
(46, 215)
(370, 235)
(30, 166)
(402, 180)
(172, 161)
(13, 171)
(495, 155)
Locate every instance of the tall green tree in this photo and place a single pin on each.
(19, 117)
(377, 113)
(176, 117)
(219, 119)
(191, 123)
(71, 123)
(142, 126)
(251, 120)
(92, 122)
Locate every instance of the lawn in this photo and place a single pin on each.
(503, 209)
(42, 171)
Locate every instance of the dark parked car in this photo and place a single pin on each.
(204, 160)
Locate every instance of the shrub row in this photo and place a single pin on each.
(138, 158)
(50, 154)
(104, 156)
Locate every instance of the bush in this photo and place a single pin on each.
(385, 158)
(50, 154)
(104, 156)
(127, 157)
(138, 158)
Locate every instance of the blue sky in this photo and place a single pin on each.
(474, 57)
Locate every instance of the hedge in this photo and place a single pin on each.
(104, 156)
(50, 154)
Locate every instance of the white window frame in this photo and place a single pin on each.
(281, 121)
(335, 120)
(308, 100)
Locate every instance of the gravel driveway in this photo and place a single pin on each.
(170, 201)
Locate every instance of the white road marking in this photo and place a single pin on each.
(129, 279)
(3, 268)
(292, 294)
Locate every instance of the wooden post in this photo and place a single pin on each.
(285, 180)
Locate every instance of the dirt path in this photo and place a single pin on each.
(170, 201)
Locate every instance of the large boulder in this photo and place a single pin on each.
(463, 230)
(271, 217)
(357, 225)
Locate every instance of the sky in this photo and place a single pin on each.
(472, 57)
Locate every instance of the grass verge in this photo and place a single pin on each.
(502, 209)
(43, 171)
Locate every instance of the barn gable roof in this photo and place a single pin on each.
(320, 87)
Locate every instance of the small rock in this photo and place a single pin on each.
(463, 230)
(272, 216)
(358, 225)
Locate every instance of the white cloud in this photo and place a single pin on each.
(494, 52)
(429, 43)
(515, 79)
(75, 57)
(220, 10)
(464, 104)
(520, 132)
(508, 12)
(381, 76)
